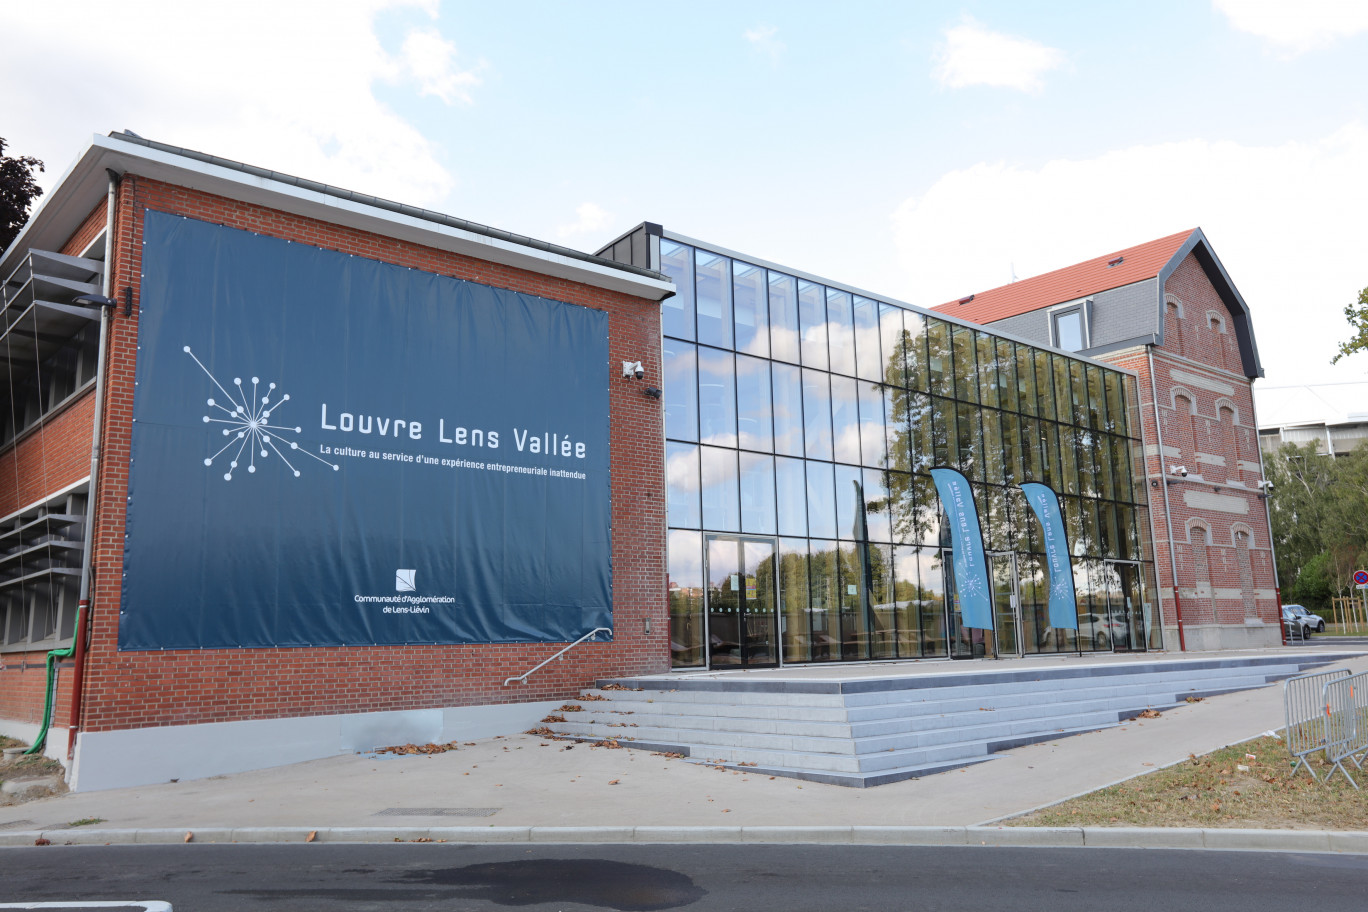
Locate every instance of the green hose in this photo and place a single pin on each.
(53, 657)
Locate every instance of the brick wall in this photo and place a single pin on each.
(138, 689)
(1206, 415)
(23, 676)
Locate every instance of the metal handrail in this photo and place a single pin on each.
(524, 676)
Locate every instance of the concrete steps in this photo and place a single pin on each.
(869, 731)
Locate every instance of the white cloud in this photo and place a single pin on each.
(1297, 27)
(765, 39)
(290, 86)
(431, 61)
(589, 218)
(1284, 220)
(972, 55)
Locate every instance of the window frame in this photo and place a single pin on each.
(1084, 310)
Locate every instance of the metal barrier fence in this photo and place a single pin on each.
(1346, 723)
(1304, 712)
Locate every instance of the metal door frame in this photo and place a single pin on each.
(739, 539)
(1016, 603)
(1130, 629)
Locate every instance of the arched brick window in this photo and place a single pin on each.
(1173, 324)
(1230, 444)
(1199, 541)
(1184, 436)
(1243, 538)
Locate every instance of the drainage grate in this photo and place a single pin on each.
(16, 824)
(437, 812)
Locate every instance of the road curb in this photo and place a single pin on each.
(1336, 842)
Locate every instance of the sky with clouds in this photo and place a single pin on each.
(921, 151)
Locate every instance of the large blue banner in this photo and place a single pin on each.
(329, 450)
(1063, 606)
(966, 538)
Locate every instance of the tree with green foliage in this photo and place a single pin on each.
(1357, 315)
(18, 190)
(1316, 508)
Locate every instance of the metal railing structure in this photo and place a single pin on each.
(1346, 723)
(1304, 711)
(522, 678)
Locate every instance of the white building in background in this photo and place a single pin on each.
(1335, 415)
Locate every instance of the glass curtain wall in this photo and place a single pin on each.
(812, 416)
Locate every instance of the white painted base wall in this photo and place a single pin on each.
(1215, 637)
(144, 756)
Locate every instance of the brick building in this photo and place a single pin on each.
(284, 464)
(92, 288)
(1168, 311)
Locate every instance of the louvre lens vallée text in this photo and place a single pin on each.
(548, 443)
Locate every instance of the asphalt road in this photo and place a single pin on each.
(451, 878)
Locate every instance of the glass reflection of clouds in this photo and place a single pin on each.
(811, 415)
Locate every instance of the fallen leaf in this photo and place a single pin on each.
(614, 781)
(313, 834)
(189, 837)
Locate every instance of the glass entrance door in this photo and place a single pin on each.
(742, 605)
(1004, 639)
(1125, 620)
(1006, 604)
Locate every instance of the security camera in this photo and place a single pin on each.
(633, 370)
(1265, 485)
(1180, 471)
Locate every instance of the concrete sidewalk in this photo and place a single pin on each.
(526, 788)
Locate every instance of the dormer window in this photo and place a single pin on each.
(1069, 328)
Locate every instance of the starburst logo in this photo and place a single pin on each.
(1059, 588)
(248, 425)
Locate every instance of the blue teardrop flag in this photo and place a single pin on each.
(1063, 605)
(966, 538)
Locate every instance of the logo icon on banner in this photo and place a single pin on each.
(248, 425)
(405, 581)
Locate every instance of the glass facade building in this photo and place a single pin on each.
(801, 421)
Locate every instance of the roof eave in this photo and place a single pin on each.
(85, 182)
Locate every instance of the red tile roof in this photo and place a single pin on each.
(1143, 261)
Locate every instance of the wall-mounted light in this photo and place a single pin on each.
(653, 392)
